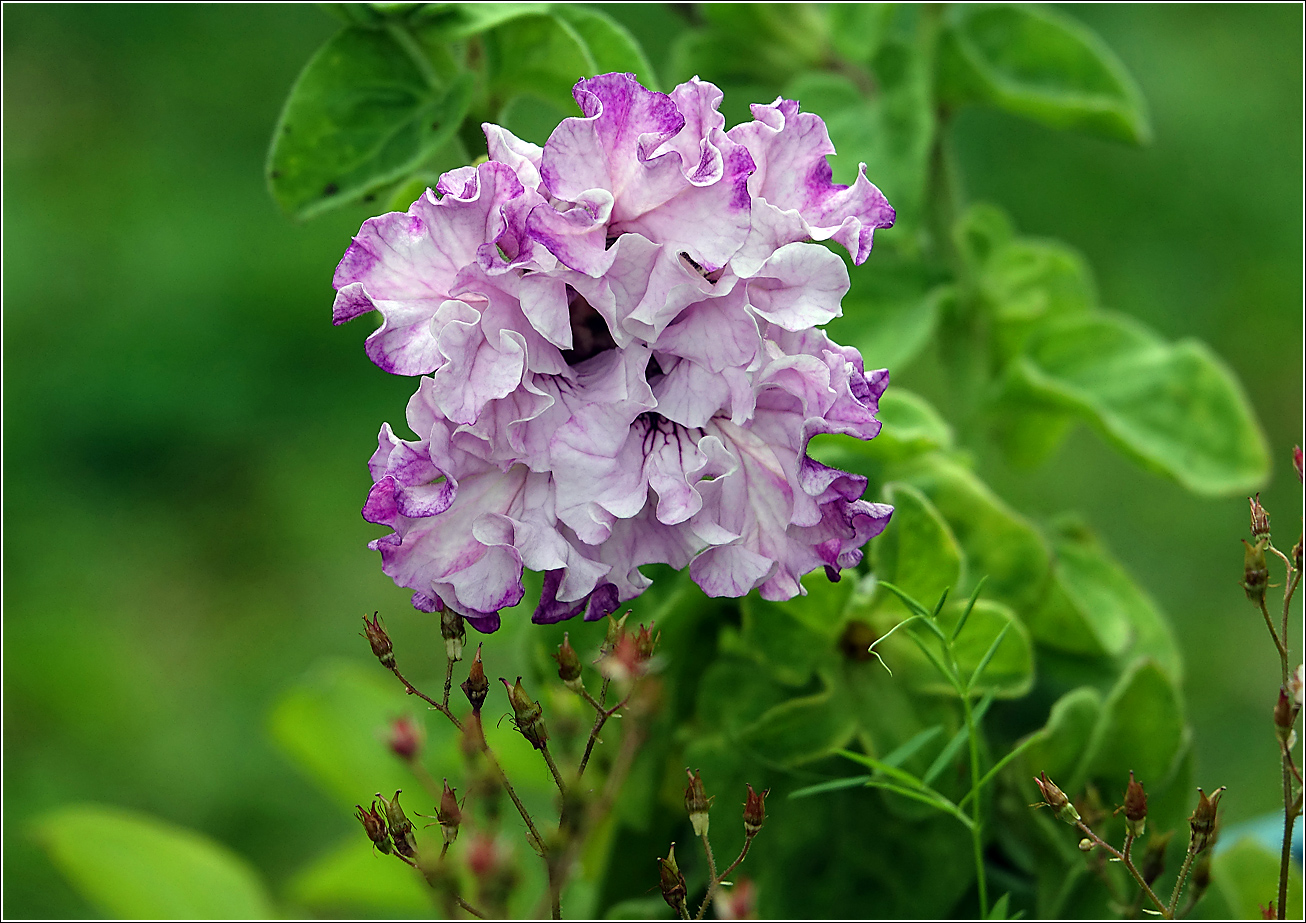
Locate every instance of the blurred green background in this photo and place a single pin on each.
(185, 432)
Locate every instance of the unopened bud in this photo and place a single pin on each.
(476, 686)
(527, 715)
(405, 738)
(1297, 462)
(623, 662)
(616, 631)
(1285, 715)
(401, 828)
(454, 631)
(449, 814)
(672, 881)
(1056, 799)
(568, 665)
(374, 824)
(379, 640)
(1085, 845)
(1135, 807)
(754, 811)
(1203, 819)
(1260, 519)
(1256, 575)
(646, 642)
(697, 803)
(1154, 856)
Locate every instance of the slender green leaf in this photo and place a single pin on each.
(832, 786)
(970, 606)
(1173, 407)
(943, 669)
(362, 115)
(132, 865)
(917, 557)
(959, 739)
(933, 799)
(1043, 65)
(1001, 765)
(907, 750)
(988, 656)
(995, 650)
(880, 766)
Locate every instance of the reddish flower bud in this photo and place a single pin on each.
(482, 854)
(405, 738)
(1056, 799)
(401, 828)
(697, 803)
(1260, 519)
(568, 664)
(646, 642)
(1256, 575)
(1297, 462)
(672, 881)
(374, 824)
(379, 640)
(754, 811)
(449, 814)
(1203, 819)
(476, 687)
(454, 632)
(527, 715)
(1135, 807)
(623, 662)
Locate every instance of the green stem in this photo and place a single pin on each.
(1183, 877)
(553, 768)
(1289, 816)
(712, 881)
(976, 830)
(1283, 651)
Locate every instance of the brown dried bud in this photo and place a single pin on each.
(401, 828)
(454, 632)
(1056, 799)
(1260, 519)
(379, 640)
(672, 881)
(697, 803)
(449, 814)
(1256, 575)
(1154, 857)
(476, 687)
(646, 642)
(374, 824)
(623, 662)
(754, 811)
(405, 738)
(1203, 819)
(527, 715)
(1135, 807)
(568, 664)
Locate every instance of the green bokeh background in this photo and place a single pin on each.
(185, 432)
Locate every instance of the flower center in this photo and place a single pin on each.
(589, 331)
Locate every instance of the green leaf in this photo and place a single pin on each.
(893, 772)
(1025, 282)
(911, 427)
(761, 43)
(1141, 728)
(352, 876)
(834, 785)
(1246, 875)
(790, 649)
(455, 21)
(858, 29)
(132, 865)
(1174, 408)
(933, 799)
(1058, 746)
(361, 115)
(1043, 65)
(917, 552)
(890, 312)
(611, 45)
(998, 542)
(995, 649)
(959, 739)
(801, 730)
(542, 56)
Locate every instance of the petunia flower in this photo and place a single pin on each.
(618, 338)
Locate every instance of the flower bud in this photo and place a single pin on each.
(454, 632)
(1256, 575)
(646, 642)
(1085, 845)
(697, 803)
(754, 811)
(449, 814)
(1135, 807)
(379, 640)
(1297, 462)
(527, 715)
(1203, 819)
(1153, 865)
(401, 828)
(476, 687)
(616, 631)
(374, 824)
(1260, 519)
(623, 662)
(672, 881)
(568, 665)
(1056, 799)
(1285, 715)
(405, 738)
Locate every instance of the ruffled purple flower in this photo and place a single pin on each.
(618, 338)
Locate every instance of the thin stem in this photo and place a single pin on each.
(553, 768)
(1289, 816)
(448, 682)
(1183, 877)
(521, 808)
(438, 885)
(440, 707)
(1129, 864)
(603, 714)
(976, 830)
(748, 841)
(1283, 653)
(711, 878)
